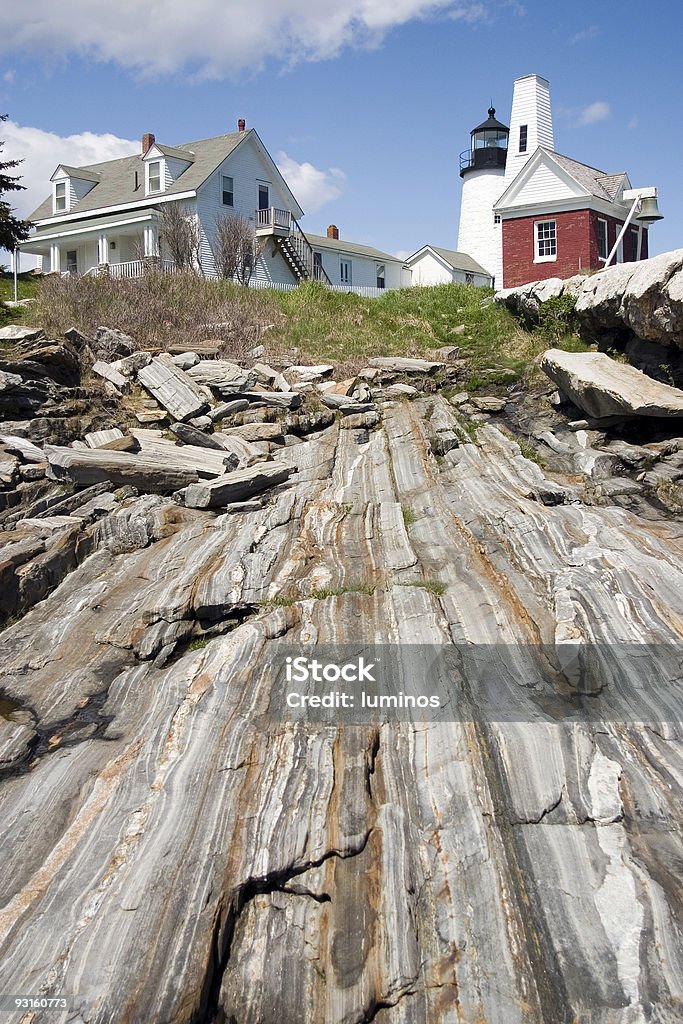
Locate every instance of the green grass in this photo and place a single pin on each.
(435, 587)
(409, 515)
(27, 289)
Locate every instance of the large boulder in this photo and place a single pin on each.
(602, 387)
(645, 299)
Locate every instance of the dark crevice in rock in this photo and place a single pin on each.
(209, 1011)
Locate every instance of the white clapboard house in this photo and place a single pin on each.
(107, 216)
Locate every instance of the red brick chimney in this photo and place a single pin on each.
(241, 125)
(333, 231)
(148, 141)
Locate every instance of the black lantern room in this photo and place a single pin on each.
(489, 145)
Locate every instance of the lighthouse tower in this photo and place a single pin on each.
(482, 169)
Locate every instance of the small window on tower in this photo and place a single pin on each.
(522, 137)
(496, 218)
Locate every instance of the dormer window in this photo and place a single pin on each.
(60, 197)
(154, 176)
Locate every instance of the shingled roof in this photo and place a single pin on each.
(116, 178)
(599, 183)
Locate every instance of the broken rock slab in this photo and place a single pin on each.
(237, 486)
(395, 364)
(15, 332)
(602, 387)
(111, 374)
(90, 467)
(275, 400)
(221, 412)
(221, 375)
(173, 388)
(98, 438)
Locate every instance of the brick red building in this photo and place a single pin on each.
(528, 213)
(560, 217)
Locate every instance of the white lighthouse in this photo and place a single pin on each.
(482, 169)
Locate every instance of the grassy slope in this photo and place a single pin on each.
(28, 289)
(309, 324)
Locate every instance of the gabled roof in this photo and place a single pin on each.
(116, 178)
(340, 245)
(598, 183)
(578, 179)
(455, 260)
(77, 172)
(177, 152)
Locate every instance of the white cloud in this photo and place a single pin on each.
(585, 35)
(311, 186)
(594, 112)
(212, 37)
(9, 76)
(633, 123)
(41, 152)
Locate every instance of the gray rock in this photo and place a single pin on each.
(89, 467)
(175, 390)
(603, 387)
(15, 332)
(222, 376)
(112, 342)
(98, 438)
(236, 486)
(221, 412)
(185, 360)
(275, 400)
(395, 364)
(489, 403)
(111, 374)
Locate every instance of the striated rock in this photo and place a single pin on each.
(394, 364)
(88, 467)
(225, 377)
(275, 400)
(345, 405)
(488, 403)
(15, 332)
(109, 373)
(185, 360)
(603, 387)
(234, 487)
(221, 412)
(102, 438)
(111, 342)
(172, 388)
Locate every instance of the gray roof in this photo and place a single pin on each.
(339, 244)
(174, 151)
(80, 172)
(116, 184)
(598, 183)
(49, 231)
(456, 260)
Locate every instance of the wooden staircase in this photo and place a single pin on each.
(299, 255)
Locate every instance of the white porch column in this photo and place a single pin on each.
(103, 249)
(39, 262)
(55, 257)
(151, 240)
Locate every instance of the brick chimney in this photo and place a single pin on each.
(241, 125)
(333, 231)
(148, 141)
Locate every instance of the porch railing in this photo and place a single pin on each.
(272, 217)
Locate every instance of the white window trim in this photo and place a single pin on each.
(602, 259)
(67, 197)
(544, 259)
(526, 139)
(162, 177)
(231, 206)
(346, 262)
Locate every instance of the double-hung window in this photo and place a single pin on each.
(523, 136)
(381, 276)
(602, 239)
(227, 190)
(345, 271)
(60, 197)
(546, 241)
(154, 176)
(635, 243)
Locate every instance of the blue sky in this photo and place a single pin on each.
(365, 105)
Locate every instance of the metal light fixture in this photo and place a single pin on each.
(644, 209)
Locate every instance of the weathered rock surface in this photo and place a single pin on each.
(395, 364)
(237, 486)
(603, 387)
(172, 852)
(84, 467)
(172, 388)
(645, 298)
